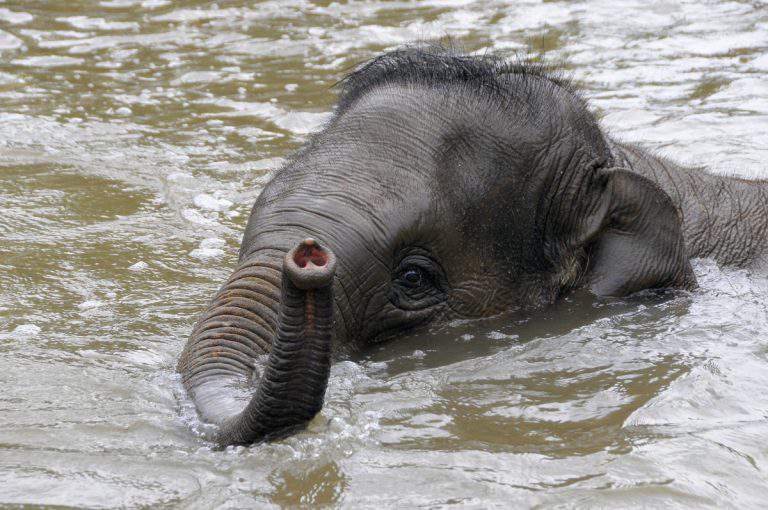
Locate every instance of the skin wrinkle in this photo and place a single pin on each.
(762, 213)
(357, 210)
(256, 269)
(236, 294)
(220, 322)
(208, 354)
(250, 273)
(556, 189)
(739, 244)
(470, 292)
(340, 280)
(265, 252)
(216, 373)
(244, 329)
(358, 205)
(339, 314)
(225, 367)
(351, 331)
(367, 298)
(366, 316)
(679, 195)
(238, 310)
(219, 361)
(741, 235)
(413, 140)
(235, 335)
(234, 356)
(569, 196)
(714, 246)
(555, 195)
(478, 297)
(226, 317)
(707, 226)
(339, 222)
(224, 320)
(246, 288)
(565, 186)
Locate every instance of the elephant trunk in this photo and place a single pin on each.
(242, 324)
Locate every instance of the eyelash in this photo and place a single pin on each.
(424, 268)
(413, 270)
(427, 292)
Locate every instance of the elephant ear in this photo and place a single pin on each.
(634, 238)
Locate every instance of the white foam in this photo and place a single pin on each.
(180, 176)
(9, 41)
(26, 330)
(14, 17)
(198, 77)
(90, 304)
(301, 122)
(194, 216)
(48, 61)
(211, 203)
(498, 335)
(139, 266)
(154, 4)
(206, 253)
(86, 23)
(212, 242)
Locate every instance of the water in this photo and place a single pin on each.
(134, 137)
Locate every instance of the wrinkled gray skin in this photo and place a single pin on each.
(447, 187)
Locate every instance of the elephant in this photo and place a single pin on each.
(445, 185)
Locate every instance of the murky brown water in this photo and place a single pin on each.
(134, 136)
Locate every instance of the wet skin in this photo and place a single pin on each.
(446, 187)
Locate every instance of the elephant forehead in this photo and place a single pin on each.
(401, 144)
(416, 119)
(456, 147)
(452, 141)
(393, 164)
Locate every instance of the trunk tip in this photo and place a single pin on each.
(310, 265)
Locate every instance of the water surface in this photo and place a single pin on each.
(134, 137)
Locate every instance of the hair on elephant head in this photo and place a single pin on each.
(445, 186)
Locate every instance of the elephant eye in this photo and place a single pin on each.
(413, 276)
(417, 283)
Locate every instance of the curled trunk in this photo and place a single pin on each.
(247, 320)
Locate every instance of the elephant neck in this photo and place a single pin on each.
(718, 212)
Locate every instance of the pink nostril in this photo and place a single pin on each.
(309, 265)
(309, 252)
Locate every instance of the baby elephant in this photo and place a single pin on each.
(445, 186)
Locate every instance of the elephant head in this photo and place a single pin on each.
(444, 186)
